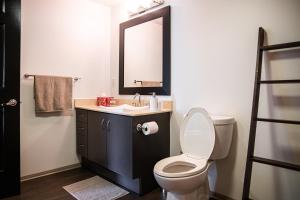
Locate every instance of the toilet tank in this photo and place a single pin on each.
(224, 131)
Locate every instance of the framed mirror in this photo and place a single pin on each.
(144, 62)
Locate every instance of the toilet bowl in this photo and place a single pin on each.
(202, 138)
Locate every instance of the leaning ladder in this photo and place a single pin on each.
(254, 118)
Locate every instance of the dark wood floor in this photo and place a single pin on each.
(50, 187)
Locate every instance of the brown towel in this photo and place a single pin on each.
(151, 84)
(52, 94)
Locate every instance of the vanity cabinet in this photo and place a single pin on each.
(113, 148)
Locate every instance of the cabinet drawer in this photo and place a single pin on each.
(81, 116)
(80, 125)
(81, 132)
(81, 139)
(82, 150)
(81, 129)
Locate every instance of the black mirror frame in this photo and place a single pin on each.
(165, 13)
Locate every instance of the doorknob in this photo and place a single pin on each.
(11, 102)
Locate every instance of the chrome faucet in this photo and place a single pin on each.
(137, 95)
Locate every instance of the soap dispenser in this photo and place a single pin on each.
(153, 102)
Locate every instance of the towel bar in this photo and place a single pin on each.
(26, 76)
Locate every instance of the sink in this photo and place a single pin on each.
(126, 108)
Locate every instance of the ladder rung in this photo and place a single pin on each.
(279, 81)
(278, 121)
(276, 163)
(281, 46)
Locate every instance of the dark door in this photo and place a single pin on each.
(9, 96)
(119, 144)
(97, 138)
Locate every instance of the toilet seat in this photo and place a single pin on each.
(197, 140)
(180, 166)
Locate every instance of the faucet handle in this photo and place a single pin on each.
(139, 95)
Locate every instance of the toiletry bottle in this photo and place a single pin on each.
(153, 102)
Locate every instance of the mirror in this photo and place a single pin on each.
(145, 54)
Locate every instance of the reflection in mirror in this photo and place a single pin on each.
(143, 51)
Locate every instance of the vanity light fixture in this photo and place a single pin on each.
(145, 5)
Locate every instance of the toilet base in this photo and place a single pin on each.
(201, 193)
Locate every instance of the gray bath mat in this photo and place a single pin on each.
(95, 188)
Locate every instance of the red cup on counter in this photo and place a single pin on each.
(104, 101)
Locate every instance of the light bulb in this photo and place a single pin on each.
(146, 4)
(132, 7)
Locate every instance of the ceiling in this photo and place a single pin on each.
(111, 2)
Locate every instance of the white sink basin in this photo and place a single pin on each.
(126, 107)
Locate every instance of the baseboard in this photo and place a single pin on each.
(48, 172)
(217, 196)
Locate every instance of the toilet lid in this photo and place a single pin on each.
(197, 134)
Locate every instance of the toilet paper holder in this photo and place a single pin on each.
(147, 128)
(140, 127)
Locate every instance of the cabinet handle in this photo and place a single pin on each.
(108, 125)
(102, 124)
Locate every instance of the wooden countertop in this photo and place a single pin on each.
(121, 112)
(90, 104)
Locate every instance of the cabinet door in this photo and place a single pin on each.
(119, 144)
(97, 138)
(149, 149)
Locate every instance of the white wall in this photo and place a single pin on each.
(60, 37)
(213, 64)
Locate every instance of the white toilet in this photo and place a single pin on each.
(203, 138)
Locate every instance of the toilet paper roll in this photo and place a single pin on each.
(150, 128)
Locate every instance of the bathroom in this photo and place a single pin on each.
(212, 65)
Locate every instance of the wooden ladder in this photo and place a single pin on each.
(254, 118)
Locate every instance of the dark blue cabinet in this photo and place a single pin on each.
(112, 147)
